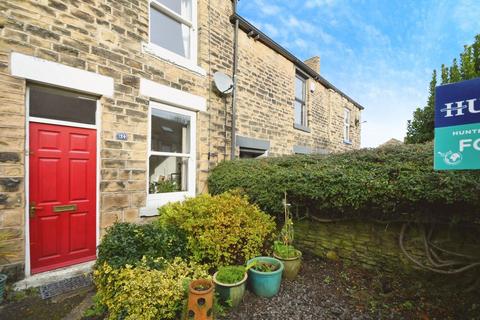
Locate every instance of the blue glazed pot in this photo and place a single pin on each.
(265, 284)
(3, 280)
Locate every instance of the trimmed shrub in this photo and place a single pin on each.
(221, 230)
(143, 292)
(127, 243)
(383, 183)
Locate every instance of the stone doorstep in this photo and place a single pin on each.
(53, 276)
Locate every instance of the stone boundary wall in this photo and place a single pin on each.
(374, 246)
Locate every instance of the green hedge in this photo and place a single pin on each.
(382, 183)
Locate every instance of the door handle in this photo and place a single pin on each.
(33, 208)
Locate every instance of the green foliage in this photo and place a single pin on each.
(221, 230)
(5, 246)
(143, 293)
(420, 128)
(391, 182)
(284, 247)
(163, 186)
(284, 251)
(230, 274)
(265, 266)
(127, 243)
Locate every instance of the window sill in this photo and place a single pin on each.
(182, 62)
(302, 128)
(347, 142)
(155, 201)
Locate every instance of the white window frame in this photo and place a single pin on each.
(346, 126)
(154, 201)
(165, 54)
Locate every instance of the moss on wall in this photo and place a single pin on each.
(375, 245)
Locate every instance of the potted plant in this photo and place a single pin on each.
(230, 283)
(265, 276)
(200, 300)
(284, 250)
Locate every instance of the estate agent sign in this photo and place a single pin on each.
(457, 126)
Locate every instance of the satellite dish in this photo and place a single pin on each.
(223, 82)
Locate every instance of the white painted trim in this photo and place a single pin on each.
(171, 96)
(98, 121)
(172, 14)
(26, 181)
(97, 127)
(56, 74)
(169, 154)
(154, 201)
(176, 59)
(162, 53)
(63, 123)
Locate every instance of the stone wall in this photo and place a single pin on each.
(266, 92)
(106, 37)
(375, 246)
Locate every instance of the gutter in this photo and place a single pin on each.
(253, 32)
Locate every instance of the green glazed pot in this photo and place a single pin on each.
(292, 265)
(231, 293)
(265, 284)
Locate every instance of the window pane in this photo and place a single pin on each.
(299, 119)
(169, 34)
(299, 88)
(61, 105)
(167, 174)
(170, 132)
(246, 153)
(347, 116)
(182, 7)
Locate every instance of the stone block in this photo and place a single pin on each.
(111, 202)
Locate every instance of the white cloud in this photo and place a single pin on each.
(266, 8)
(383, 62)
(319, 3)
(467, 14)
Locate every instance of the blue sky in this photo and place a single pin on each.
(379, 52)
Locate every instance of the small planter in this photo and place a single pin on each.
(265, 284)
(3, 280)
(200, 300)
(292, 265)
(231, 292)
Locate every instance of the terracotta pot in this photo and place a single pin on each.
(200, 301)
(232, 292)
(292, 265)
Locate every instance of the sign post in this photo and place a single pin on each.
(457, 126)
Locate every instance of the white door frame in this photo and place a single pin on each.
(97, 127)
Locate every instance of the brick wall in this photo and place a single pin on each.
(105, 37)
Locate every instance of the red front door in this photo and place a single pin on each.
(62, 196)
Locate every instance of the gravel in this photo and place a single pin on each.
(313, 295)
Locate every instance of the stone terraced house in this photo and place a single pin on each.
(108, 109)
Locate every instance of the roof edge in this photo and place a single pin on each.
(254, 32)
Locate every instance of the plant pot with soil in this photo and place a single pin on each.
(291, 259)
(230, 284)
(265, 276)
(200, 300)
